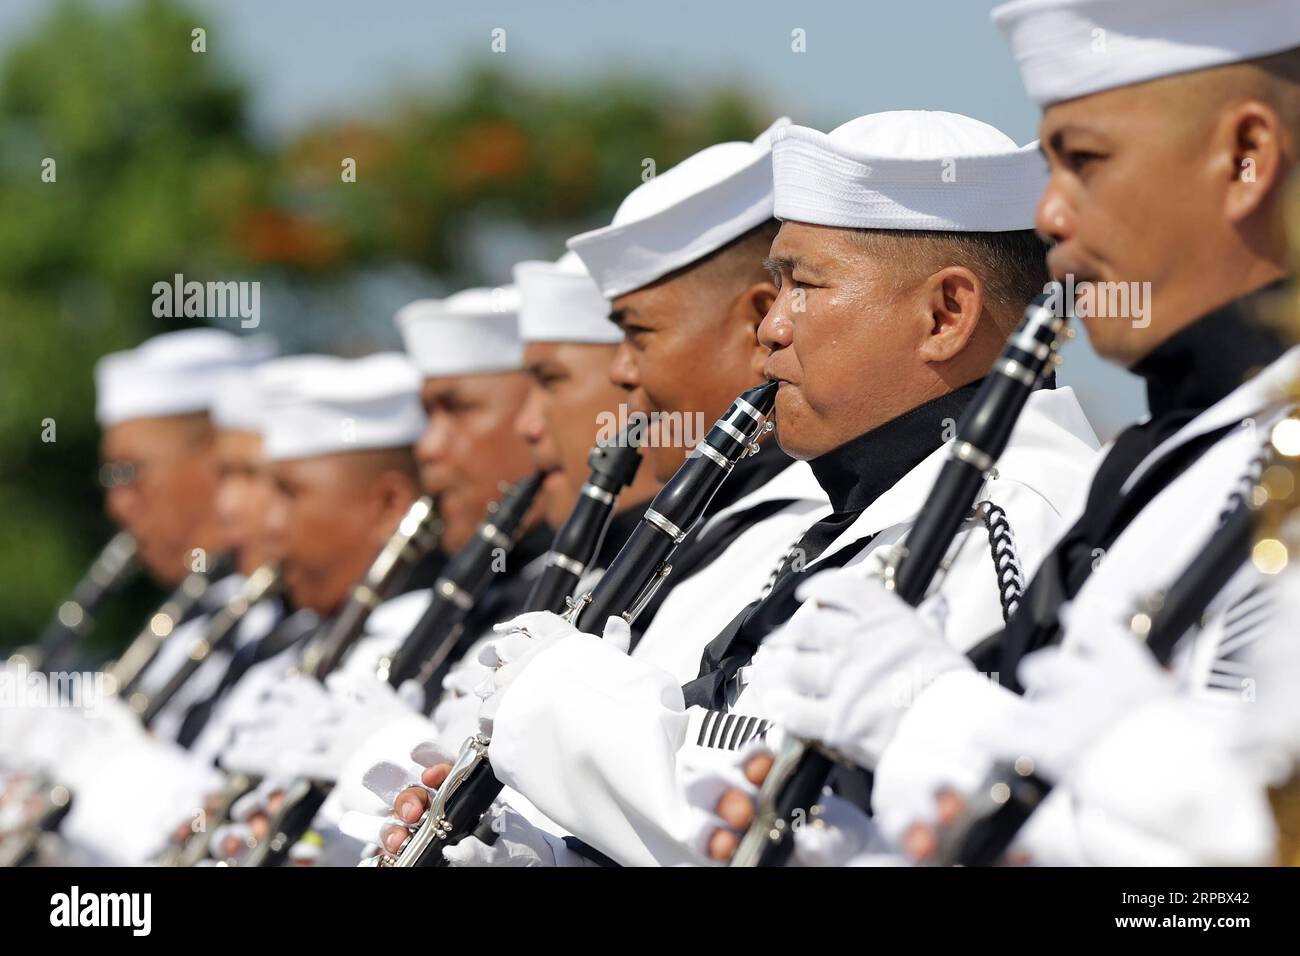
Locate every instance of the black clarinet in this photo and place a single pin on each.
(421, 655)
(627, 585)
(125, 673)
(800, 771)
(75, 618)
(1003, 804)
(417, 536)
(613, 467)
(261, 584)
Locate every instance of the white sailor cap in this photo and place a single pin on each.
(682, 215)
(907, 169)
(237, 404)
(559, 302)
(1071, 48)
(175, 373)
(322, 405)
(471, 332)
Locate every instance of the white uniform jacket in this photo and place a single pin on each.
(937, 741)
(700, 606)
(599, 741)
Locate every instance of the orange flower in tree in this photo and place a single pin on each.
(316, 157)
(274, 236)
(487, 153)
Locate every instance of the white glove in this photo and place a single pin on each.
(386, 780)
(257, 800)
(239, 831)
(522, 639)
(1074, 694)
(364, 692)
(518, 843)
(360, 704)
(839, 835)
(283, 724)
(466, 674)
(1188, 797)
(845, 670)
(457, 718)
(704, 785)
(297, 698)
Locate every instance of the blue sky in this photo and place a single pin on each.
(309, 59)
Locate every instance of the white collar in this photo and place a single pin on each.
(795, 482)
(1266, 391)
(1050, 443)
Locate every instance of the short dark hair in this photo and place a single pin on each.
(1011, 265)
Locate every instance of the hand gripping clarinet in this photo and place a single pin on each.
(467, 574)
(631, 580)
(114, 566)
(125, 672)
(23, 847)
(455, 592)
(417, 535)
(613, 466)
(795, 782)
(261, 584)
(1256, 529)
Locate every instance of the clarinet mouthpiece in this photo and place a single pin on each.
(761, 397)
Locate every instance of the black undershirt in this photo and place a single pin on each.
(701, 549)
(853, 476)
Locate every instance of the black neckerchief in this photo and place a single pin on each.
(1185, 375)
(853, 476)
(864, 468)
(501, 600)
(700, 549)
(1200, 365)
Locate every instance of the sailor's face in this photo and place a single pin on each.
(320, 528)
(470, 447)
(161, 487)
(243, 496)
(681, 361)
(570, 398)
(839, 344)
(1129, 212)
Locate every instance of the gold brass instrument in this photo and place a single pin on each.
(121, 679)
(76, 617)
(1277, 540)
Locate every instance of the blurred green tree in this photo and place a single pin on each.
(142, 144)
(158, 171)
